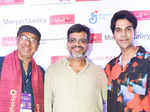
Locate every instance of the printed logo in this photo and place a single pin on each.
(142, 15)
(8, 41)
(93, 18)
(96, 38)
(54, 59)
(96, 15)
(62, 19)
(9, 2)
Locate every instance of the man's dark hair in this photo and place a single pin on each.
(31, 29)
(123, 14)
(79, 28)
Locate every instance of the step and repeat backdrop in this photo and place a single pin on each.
(54, 17)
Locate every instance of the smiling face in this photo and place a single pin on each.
(124, 33)
(77, 44)
(27, 44)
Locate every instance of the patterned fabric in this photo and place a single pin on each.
(129, 86)
(11, 84)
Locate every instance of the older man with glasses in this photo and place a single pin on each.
(74, 84)
(21, 79)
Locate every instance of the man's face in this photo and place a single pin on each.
(124, 33)
(27, 44)
(77, 44)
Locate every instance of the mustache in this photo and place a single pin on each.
(77, 47)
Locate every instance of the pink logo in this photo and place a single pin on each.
(96, 38)
(142, 15)
(54, 59)
(9, 2)
(62, 19)
(8, 41)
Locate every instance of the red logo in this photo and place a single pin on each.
(86, 0)
(62, 19)
(9, 2)
(142, 15)
(8, 41)
(96, 38)
(54, 59)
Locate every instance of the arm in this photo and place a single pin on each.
(104, 92)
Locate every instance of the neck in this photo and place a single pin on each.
(129, 51)
(128, 54)
(77, 64)
(77, 61)
(25, 62)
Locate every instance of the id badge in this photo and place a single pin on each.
(26, 103)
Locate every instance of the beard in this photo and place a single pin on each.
(77, 55)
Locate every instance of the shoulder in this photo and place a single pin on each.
(56, 65)
(42, 69)
(97, 69)
(55, 68)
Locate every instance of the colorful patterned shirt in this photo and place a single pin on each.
(129, 86)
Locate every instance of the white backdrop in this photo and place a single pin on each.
(54, 17)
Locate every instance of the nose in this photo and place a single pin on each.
(28, 42)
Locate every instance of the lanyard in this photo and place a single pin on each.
(26, 82)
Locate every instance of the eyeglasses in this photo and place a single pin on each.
(24, 38)
(79, 40)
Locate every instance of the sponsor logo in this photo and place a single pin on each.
(62, 19)
(8, 41)
(142, 36)
(9, 2)
(96, 16)
(108, 37)
(24, 21)
(96, 38)
(54, 59)
(142, 15)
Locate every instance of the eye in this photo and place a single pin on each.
(117, 29)
(72, 40)
(23, 37)
(83, 41)
(129, 28)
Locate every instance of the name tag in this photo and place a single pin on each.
(26, 103)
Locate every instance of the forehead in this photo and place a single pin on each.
(78, 34)
(31, 35)
(123, 23)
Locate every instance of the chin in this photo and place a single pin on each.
(77, 56)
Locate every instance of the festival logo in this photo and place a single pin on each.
(142, 15)
(96, 38)
(8, 41)
(9, 2)
(62, 19)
